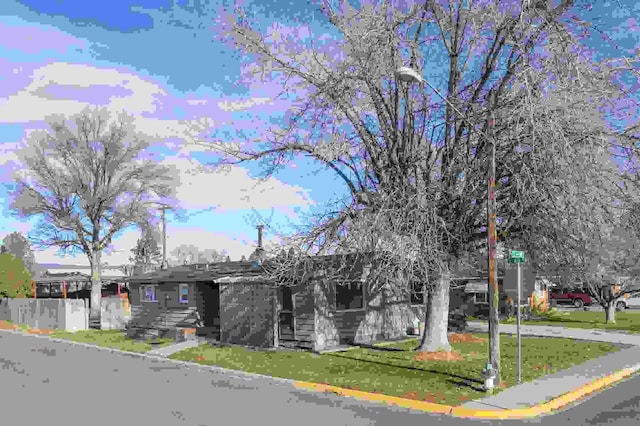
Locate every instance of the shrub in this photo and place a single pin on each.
(15, 279)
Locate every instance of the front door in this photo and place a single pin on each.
(285, 302)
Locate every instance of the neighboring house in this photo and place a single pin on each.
(66, 284)
(74, 282)
(108, 273)
(533, 290)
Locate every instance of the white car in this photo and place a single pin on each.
(630, 303)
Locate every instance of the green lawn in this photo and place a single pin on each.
(109, 339)
(625, 320)
(393, 370)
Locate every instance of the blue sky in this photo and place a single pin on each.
(170, 46)
(159, 60)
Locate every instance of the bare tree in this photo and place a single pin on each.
(194, 254)
(415, 167)
(146, 252)
(86, 179)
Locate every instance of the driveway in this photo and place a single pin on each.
(43, 381)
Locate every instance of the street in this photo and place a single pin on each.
(46, 381)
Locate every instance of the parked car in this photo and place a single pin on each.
(577, 298)
(632, 302)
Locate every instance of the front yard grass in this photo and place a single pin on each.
(115, 339)
(625, 320)
(394, 369)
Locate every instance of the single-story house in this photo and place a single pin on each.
(328, 302)
(534, 290)
(229, 301)
(74, 285)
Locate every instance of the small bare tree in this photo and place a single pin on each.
(86, 179)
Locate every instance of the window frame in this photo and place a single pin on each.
(180, 294)
(480, 302)
(362, 290)
(143, 293)
(413, 300)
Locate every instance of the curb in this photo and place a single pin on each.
(459, 411)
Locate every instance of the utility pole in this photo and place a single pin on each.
(163, 208)
(494, 295)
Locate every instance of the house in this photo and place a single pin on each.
(229, 301)
(62, 285)
(74, 283)
(327, 302)
(534, 290)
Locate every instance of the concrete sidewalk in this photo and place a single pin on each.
(172, 349)
(619, 337)
(559, 383)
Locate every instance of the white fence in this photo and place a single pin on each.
(63, 314)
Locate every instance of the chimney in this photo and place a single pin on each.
(260, 237)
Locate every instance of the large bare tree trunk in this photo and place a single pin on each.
(96, 288)
(435, 336)
(610, 313)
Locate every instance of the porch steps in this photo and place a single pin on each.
(94, 323)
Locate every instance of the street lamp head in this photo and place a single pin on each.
(408, 75)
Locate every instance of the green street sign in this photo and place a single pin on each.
(517, 254)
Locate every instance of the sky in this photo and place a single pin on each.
(158, 60)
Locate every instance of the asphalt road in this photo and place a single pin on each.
(42, 381)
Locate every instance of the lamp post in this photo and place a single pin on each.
(409, 75)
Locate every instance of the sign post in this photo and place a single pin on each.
(518, 258)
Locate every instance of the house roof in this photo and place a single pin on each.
(60, 277)
(476, 287)
(219, 272)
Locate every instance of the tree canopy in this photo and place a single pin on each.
(86, 178)
(15, 279)
(18, 245)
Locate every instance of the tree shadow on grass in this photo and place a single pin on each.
(456, 379)
(379, 348)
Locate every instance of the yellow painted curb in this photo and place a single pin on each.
(368, 396)
(458, 411)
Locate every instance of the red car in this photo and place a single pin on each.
(577, 298)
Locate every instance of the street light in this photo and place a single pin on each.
(411, 76)
(408, 75)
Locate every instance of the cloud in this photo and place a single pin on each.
(231, 188)
(7, 152)
(32, 95)
(69, 88)
(242, 104)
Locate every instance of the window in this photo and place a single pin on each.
(480, 298)
(148, 293)
(349, 296)
(417, 294)
(287, 299)
(184, 293)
